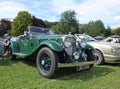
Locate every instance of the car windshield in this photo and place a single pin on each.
(40, 31)
(87, 37)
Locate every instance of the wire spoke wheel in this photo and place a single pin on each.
(47, 62)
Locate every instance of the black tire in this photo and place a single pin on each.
(47, 62)
(100, 59)
(10, 55)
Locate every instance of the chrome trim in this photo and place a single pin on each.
(112, 60)
(112, 57)
(75, 64)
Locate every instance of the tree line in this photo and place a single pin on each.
(68, 23)
(19, 24)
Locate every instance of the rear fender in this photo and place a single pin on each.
(1, 48)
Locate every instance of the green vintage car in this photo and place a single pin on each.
(52, 51)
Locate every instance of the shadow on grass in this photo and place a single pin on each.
(71, 74)
(96, 71)
(113, 64)
(8, 62)
(29, 62)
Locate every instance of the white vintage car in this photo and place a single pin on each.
(106, 51)
(112, 40)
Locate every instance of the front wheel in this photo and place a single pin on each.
(47, 62)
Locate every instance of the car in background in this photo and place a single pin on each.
(99, 38)
(113, 39)
(1, 48)
(107, 52)
(52, 51)
(4, 44)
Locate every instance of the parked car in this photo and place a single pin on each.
(106, 51)
(52, 51)
(99, 38)
(1, 48)
(4, 44)
(112, 40)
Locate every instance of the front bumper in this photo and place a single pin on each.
(75, 64)
(112, 59)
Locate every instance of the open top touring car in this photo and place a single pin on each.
(52, 51)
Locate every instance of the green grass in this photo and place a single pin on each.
(22, 74)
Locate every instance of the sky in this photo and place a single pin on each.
(108, 11)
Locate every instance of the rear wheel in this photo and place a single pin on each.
(47, 62)
(10, 54)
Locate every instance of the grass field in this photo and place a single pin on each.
(23, 74)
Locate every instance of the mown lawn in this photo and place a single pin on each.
(23, 74)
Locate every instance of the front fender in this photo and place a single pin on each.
(53, 45)
(88, 46)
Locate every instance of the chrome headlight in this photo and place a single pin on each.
(68, 40)
(83, 43)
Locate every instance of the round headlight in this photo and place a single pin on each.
(83, 43)
(68, 41)
(67, 44)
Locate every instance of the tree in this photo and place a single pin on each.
(107, 31)
(50, 24)
(94, 28)
(116, 31)
(68, 23)
(20, 23)
(38, 22)
(5, 26)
